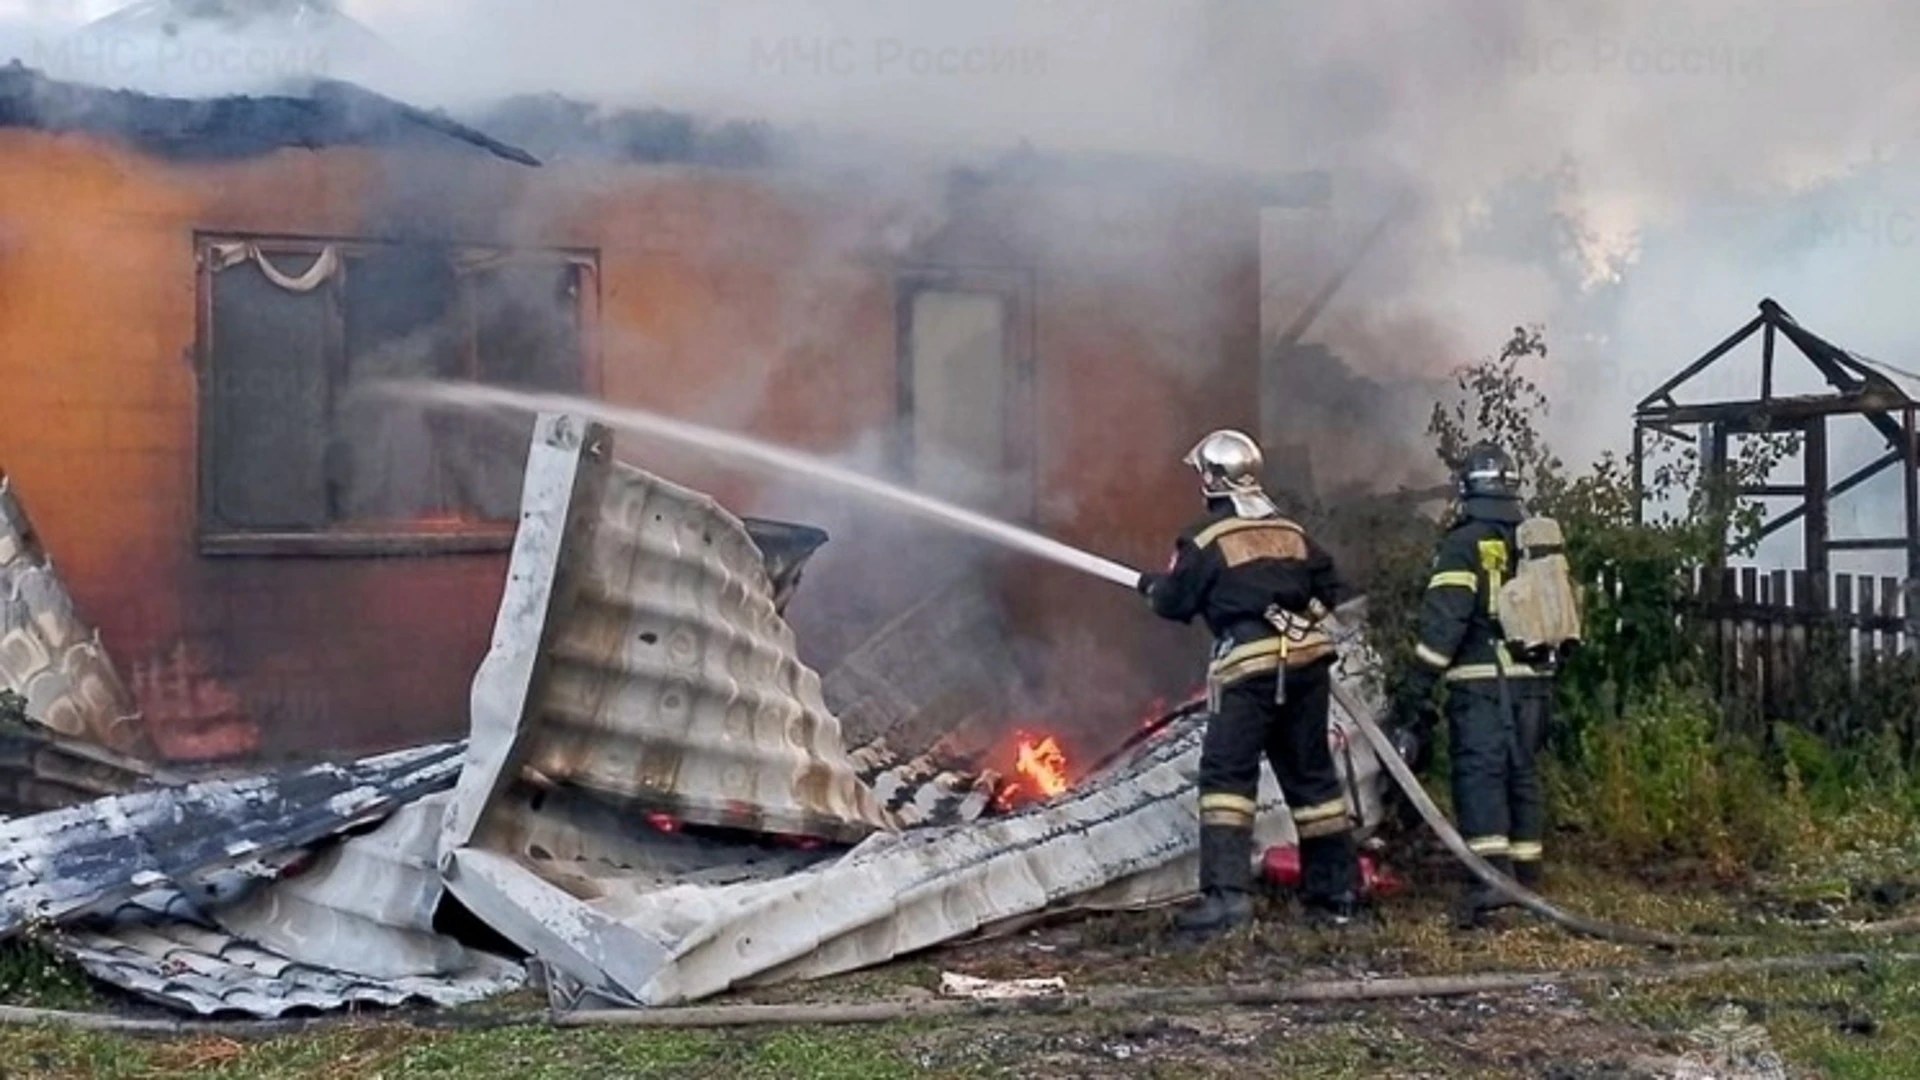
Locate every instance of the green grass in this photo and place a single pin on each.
(1855, 1025)
(1355, 1050)
(528, 1053)
(34, 977)
(1850, 1026)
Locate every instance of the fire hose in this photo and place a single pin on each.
(1402, 774)
(1512, 890)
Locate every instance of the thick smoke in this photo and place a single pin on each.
(1554, 150)
(1635, 177)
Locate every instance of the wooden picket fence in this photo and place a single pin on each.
(1833, 657)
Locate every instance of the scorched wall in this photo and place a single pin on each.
(762, 302)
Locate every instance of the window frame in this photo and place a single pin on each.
(348, 539)
(1015, 288)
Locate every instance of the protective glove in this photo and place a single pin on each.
(1415, 718)
(1148, 583)
(1414, 746)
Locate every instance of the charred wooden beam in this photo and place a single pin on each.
(1766, 362)
(1881, 543)
(1760, 417)
(1318, 303)
(1668, 432)
(1639, 474)
(1841, 369)
(1818, 531)
(1853, 480)
(1910, 458)
(1665, 392)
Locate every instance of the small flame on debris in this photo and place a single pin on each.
(1039, 772)
(1044, 764)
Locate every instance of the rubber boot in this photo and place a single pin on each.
(1479, 900)
(1330, 880)
(1226, 883)
(1528, 873)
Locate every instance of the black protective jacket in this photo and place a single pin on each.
(1460, 636)
(1229, 570)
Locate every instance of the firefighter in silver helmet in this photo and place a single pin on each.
(1262, 586)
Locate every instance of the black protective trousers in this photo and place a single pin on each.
(1495, 751)
(1293, 737)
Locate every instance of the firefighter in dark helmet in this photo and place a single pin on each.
(1497, 706)
(1262, 586)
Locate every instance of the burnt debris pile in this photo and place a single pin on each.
(654, 804)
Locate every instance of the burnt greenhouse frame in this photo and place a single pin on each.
(1856, 390)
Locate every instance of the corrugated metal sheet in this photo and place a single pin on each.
(638, 943)
(353, 928)
(919, 791)
(198, 968)
(366, 906)
(1122, 840)
(639, 655)
(537, 845)
(82, 859)
(1118, 842)
(47, 654)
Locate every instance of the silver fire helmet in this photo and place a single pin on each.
(1229, 465)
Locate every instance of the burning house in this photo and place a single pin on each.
(281, 570)
(673, 764)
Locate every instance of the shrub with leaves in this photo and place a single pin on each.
(1635, 570)
(1645, 757)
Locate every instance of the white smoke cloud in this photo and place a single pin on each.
(1634, 176)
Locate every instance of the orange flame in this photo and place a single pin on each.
(1044, 764)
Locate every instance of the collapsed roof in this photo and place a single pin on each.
(530, 129)
(654, 804)
(330, 113)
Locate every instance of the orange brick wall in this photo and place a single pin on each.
(754, 302)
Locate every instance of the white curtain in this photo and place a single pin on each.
(326, 266)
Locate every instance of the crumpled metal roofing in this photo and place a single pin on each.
(200, 969)
(625, 594)
(1123, 840)
(552, 863)
(1127, 840)
(638, 655)
(83, 859)
(353, 928)
(365, 906)
(918, 791)
(47, 654)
